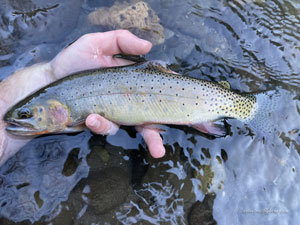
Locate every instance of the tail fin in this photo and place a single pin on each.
(268, 115)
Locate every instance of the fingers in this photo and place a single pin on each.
(100, 125)
(104, 45)
(153, 141)
(95, 50)
(120, 41)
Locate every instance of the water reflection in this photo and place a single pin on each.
(238, 179)
(35, 182)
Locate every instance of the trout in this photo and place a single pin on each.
(141, 94)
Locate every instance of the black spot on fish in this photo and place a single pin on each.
(39, 119)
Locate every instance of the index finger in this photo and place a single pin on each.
(118, 41)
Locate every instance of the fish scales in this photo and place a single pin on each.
(133, 95)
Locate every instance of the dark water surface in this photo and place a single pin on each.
(237, 179)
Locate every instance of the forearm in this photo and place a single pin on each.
(24, 82)
(14, 88)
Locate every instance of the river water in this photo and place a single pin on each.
(237, 179)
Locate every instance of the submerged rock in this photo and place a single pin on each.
(105, 186)
(201, 212)
(137, 17)
(34, 21)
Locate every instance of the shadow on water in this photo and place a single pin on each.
(237, 179)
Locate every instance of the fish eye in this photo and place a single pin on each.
(24, 113)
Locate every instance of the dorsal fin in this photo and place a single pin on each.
(141, 62)
(156, 65)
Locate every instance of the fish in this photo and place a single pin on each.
(146, 93)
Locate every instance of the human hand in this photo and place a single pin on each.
(89, 51)
(97, 50)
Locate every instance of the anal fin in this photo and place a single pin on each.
(212, 128)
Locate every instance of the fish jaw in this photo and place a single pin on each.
(16, 127)
(24, 131)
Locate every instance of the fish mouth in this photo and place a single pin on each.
(20, 128)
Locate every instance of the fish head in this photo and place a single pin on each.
(38, 118)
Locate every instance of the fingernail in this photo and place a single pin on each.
(94, 123)
(145, 43)
(161, 152)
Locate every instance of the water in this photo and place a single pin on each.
(238, 179)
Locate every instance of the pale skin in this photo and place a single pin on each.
(90, 51)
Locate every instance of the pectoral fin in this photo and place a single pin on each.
(213, 128)
(76, 126)
(76, 123)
